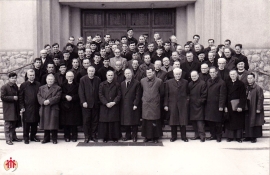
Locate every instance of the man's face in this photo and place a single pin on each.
(98, 38)
(211, 57)
(107, 38)
(89, 39)
(66, 56)
(167, 46)
(134, 56)
(71, 40)
(69, 49)
(237, 49)
(132, 46)
(177, 75)
(166, 61)
(159, 51)
(213, 73)
(56, 48)
(37, 64)
(13, 79)
(176, 64)
(159, 42)
(211, 42)
(173, 39)
(175, 56)
(187, 48)
(70, 77)
(221, 64)
(194, 76)
(189, 57)
(124, 47)
(214, 49)
(250, 79)
(31, 76)
(106, 63)
(75, 64)
(102, 52)
(201, 57)
(196, 39)
(88, 52)
(111, 43)
(128, 74)
(91, 72)
(227, 53)
(114, 47)
(130, 33)
(80, 46)
(222, 49)
(156, 36)
(48, 48)
(233, 75)
(110, 76)
(135, 65)
(147, 59)
(86, 63)
(93, 47)
(81, 54)
(157, 65)
(62, 69)
(97, 59)
(179, 49)
(124, 40)
(149, 74)
(87, 46)
(141, 39)
(117, 53)
(197, 48)
(240, 66)
(56, 61)
(227, 44)
(141, 49)
(108, 49)
(204, 68)
(118, 65)
(50, 80)
(80, 39)
(151, 47)
(50, 68)
(43, 54)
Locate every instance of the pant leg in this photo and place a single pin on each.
(47, 135)
(26, 130)
(67, 130)
(174, 131)
(74, 132)
(128, 132)
(94, 121)
(195, 127)
(54, 135)
(183, 132)
(7, 129)
(218, 130)
(238, 133)
(86, 113)
(33, 132)
(200, 127)
(134, 131)
(212, 128)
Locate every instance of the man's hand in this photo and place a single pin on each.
(239, 109)
(220, 109)
(46, 102)
(134, 107)
(166, 108)
(22, 110)
(15, 98)
(226, 109)
(84, 105)
(109, 105)
(68, 97)
(258, 111)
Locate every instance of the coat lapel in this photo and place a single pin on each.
(131, 83)
(49, 91)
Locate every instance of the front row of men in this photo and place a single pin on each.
(106, 106)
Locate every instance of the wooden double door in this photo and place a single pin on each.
(116, 22)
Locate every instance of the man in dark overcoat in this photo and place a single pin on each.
(130, 105)
(29, 106)
(11, 112)
(176, 103)
(88, 93)
(153, 90)
(215, 103)
(197, 98)
(236, 117)
(137, 73)
(223, 72)
(60, 77)
(204, 75)
(255, 114)
(241, 71)
(49, 96)
(109, 120)
(70, 116)
(190, 65)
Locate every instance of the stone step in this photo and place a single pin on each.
(267, 107)
(266, 102)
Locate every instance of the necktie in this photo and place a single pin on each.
(128, 83)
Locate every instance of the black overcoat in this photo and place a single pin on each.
(130, 97)
(188, 68)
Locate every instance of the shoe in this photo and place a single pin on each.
(173, 139)
(211, 138)
(125, 139)
(195, 138)
(67, 140)
(135, 139)
(86, 140)
(156, 141)
(146, 140)
(239, 140)
(185, 139)
(246, 139)
(253, 140)
(115, 140)
(94, 139)
(35, 139)
(16, 140)
(202, 140)
(44, 141)
(26, 142)
(218, 139)
(105, 141)
(55, 142)
(229, 140)
(74, 140)
(9, 142)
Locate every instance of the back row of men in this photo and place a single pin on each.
(115, 100)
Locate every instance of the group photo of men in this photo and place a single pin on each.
(111, 88)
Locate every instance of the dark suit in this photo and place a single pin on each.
(188, 68)
(88, 92)
(224, 74)
(131, 96)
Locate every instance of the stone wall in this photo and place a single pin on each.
(259, 63)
